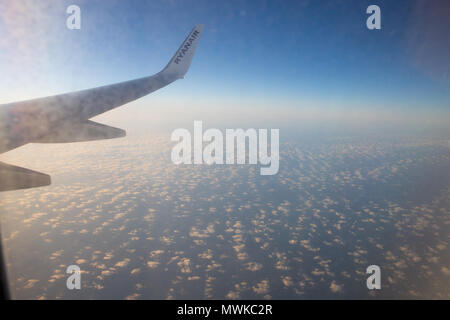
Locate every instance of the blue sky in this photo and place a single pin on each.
(286, 52)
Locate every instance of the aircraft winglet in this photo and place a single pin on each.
(180, 62)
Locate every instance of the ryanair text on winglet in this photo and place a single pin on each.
(213, 152)
(186, 46)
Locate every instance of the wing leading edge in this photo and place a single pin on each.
(64, 118)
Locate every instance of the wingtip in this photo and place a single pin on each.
(181, 61)
(199, 26)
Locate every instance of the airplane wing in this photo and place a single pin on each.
(65, 118)
(13, 178)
